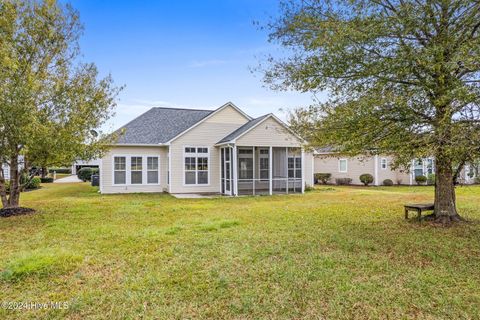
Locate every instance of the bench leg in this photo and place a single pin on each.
(419, 216)
(406, 213)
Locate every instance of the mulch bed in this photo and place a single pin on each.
(8, 212)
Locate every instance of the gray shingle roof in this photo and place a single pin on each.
(159, 125)
(243, 128)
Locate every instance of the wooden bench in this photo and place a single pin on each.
(419, 207)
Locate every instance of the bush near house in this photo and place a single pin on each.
(420, 180)
(34, 183)
(431, 179)
(60, 170)
(343, 181)
(387, 182)
(85, 174)
(322, 177)
(366, 178)
(477, 180)
(46, 180)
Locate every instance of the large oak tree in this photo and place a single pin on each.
(403, 78)
(50, 103)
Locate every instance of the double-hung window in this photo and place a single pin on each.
(152, 170)
(294, 167)
(264, 163)
(120, 170)
(196, 165)
(245, 164)
(136, 171)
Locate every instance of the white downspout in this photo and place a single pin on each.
(303, 171)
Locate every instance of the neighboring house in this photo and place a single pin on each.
(6, 171)
(221, 151)
(328, 161)
(6, 168)
(78, 164)
(339, 166)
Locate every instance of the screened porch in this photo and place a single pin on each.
(261, 170)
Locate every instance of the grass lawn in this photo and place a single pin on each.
(335, 253)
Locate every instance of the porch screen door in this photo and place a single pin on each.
(226, 154)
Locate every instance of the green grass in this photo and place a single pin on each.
(333, 253)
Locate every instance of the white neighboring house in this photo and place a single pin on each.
(6, 167)
(6, 171)
(222, 151)
(78, 164)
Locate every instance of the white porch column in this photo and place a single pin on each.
(234, 171)
(253, 174)
(303, 171)
(376, 170)
(270, 170)
(286, 169)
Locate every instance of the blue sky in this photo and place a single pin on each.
(189, 54)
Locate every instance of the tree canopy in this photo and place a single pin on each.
(403, 78)
(49, 101)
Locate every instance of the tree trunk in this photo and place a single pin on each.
(445, 201)
(14, 197)
(3, 188)
(44, 172)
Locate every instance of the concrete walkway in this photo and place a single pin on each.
(69, 179)
(194, 196)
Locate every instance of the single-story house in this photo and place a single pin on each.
(79, 164)
(326, 160)
(222, 151)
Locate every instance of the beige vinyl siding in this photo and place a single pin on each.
(106, 178)
(308, 170)
(355, 167)
(269, 133)
(206, 134)
(398, 176)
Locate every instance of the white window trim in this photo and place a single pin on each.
(128, 162)
(381, 163)
(113, 169)
(340, 167)
(146, 170)
(197, 155)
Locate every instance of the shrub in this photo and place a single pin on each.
(308, 188)
(431, 179)
(387, 182)
(477, 180)
(85, 174)
(323, 177)
(46, 180)
(60, 170)
(366, 178)
(420, 179)
(343, 181)
(34, 183)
